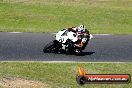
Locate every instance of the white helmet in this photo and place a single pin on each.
(81, 28)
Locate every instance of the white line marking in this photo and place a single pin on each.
(15, 32)
(93, 34)
(103, 34)
(67, 62)
(54, 33)
(79, 62)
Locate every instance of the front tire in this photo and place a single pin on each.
(48, 48)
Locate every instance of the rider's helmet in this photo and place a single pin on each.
(81, 28)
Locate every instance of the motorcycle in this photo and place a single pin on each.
(66, 42)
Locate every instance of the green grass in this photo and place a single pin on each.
(110, 16)
(63, 75)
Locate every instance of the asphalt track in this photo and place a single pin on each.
(29, 46)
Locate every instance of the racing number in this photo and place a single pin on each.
(61, 39)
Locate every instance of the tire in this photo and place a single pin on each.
(48, 48)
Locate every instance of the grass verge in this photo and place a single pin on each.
(63, 75)
(107, 16)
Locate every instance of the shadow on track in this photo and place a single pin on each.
(86, 53)
(82, 54)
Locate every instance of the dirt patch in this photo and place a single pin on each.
(13, 82)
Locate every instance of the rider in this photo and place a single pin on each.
(80, 30)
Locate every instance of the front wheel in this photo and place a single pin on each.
(49, 47)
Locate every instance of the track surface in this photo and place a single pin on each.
(29, 46)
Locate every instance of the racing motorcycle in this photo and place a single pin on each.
(66, 42)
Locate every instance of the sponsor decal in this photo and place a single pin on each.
(83, 78)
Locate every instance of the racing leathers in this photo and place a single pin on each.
(83, 36)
